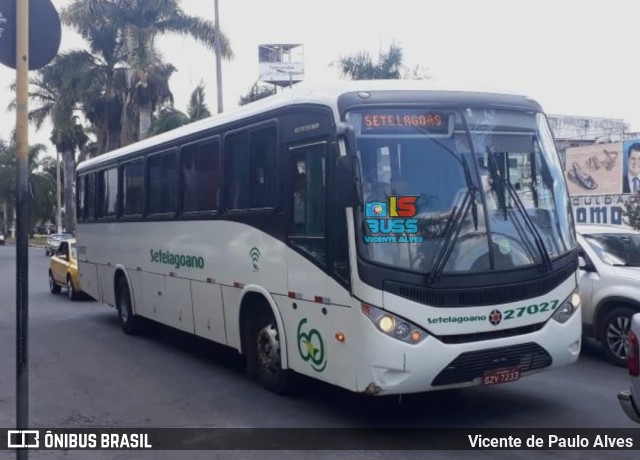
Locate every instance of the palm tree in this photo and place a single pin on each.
(42, 185)
(171, 118)
(197, 108)
(257, 92)
(390, 66)
(58, 89)
(69, 140)
(138, 24)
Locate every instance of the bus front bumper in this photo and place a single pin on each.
(399, 368)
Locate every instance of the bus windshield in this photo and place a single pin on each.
(459, 191)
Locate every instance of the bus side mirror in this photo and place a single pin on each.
(347, 188)
(347, 184)
(347, 132)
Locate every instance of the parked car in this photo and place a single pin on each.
(53, 241)
(609, 280)
(63, 270)
(1, 239)
(630, 400)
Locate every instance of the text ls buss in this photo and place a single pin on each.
(378, 236)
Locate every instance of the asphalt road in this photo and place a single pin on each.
(85, 372)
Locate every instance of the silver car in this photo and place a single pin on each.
(630, 400)
(53, 242)
(609, 280)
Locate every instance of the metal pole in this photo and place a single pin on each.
(22, 207)
(58, 199)
(218, 58)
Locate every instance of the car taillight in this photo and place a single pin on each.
(633, 355)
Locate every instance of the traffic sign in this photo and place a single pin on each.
(45, 32)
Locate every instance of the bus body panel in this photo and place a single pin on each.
(208, 313)
(178, 304)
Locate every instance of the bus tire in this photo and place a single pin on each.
(615, 327)
(53, 286)
(264, 354)
(131, 324)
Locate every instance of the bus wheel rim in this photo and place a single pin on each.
(269, 349)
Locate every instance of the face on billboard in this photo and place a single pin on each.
(634, 160)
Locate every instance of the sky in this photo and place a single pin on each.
(574, 57)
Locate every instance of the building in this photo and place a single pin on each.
(576, 131)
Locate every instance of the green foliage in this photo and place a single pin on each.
(257, 92)
(134, 80)
(390, 66)
(171, 118)
(42, 186)
(632, 211)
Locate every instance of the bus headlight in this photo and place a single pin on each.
(567, 309)
(393, 325)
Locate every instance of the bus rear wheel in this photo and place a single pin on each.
(131, 324)
(265, 355)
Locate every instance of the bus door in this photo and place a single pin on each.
(313, 261)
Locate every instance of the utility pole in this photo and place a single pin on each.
(218, 58)
(58, 198)
(22, 237)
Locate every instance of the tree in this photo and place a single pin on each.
(632, 211)
(42, 185)
(137, 24)
(171, 118)
(257, 92)
(58, 89)
(390, 66)
(197, 108)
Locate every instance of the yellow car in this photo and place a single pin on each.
(63, 270)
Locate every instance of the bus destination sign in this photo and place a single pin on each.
(406, 121)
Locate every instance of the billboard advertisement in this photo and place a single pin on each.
(600, 209)
(631, 170)
(594, 169)
(281, 64)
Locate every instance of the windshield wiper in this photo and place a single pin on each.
(523, 212)
(471, 189)
(455, 223)
(451, 234)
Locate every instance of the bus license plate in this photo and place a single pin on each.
(497, 376)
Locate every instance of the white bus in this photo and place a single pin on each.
(378, 236)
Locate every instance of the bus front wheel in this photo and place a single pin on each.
(130, 323)
(265, 355)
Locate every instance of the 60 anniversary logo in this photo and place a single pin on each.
(311, 347)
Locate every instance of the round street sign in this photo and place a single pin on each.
(44, 33)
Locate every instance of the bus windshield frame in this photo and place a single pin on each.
(459, 191)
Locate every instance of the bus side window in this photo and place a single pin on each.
(90, 196)
(133, 188)
(236, 160)
(308, 170)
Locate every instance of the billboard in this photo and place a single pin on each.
(631, 170)
(281, 64)
(600, 209)
(594, 169)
